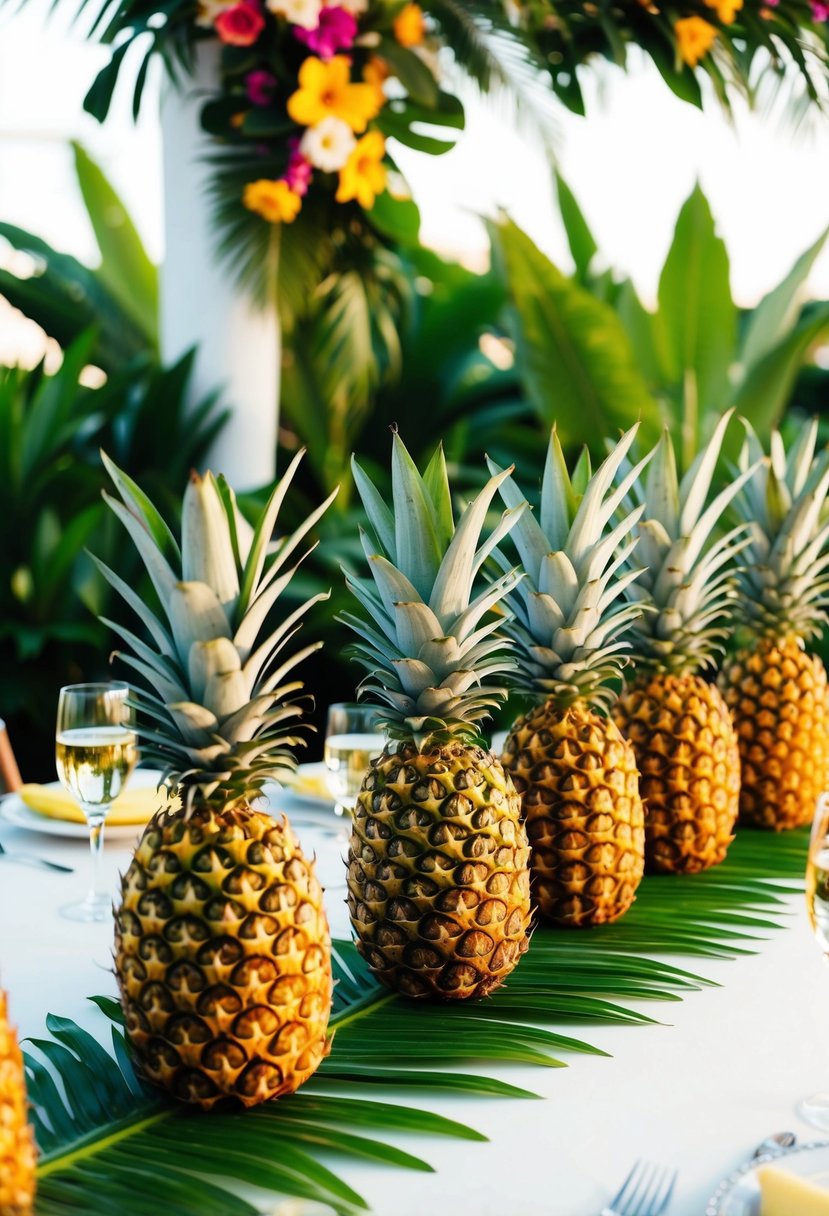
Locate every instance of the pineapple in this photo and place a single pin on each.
(222, 950)
(438, 864)
(678, 722)
(777, 692)
(17, 1151)
(576, 773)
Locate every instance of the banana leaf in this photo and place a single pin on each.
(109, 1144)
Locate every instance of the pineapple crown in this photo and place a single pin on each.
(689, 584)
(224, 717)
(784, 580)
(430, 663)
(569, 612)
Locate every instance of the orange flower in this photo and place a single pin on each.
(325, 91)
(363, 176)
(727, 10)
(409, 25)
(694, 38)
(376, 71)
(275, 201)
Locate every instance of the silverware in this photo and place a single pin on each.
(29, 859)
(779, 1142)
(646, 1191)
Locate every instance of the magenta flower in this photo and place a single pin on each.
(299, 172)
(261, 86)
(336, 31)
(820, 11)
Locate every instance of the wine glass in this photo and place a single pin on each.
(352, 740)
(815, 1109)
(95, 753)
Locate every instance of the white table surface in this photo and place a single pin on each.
(699, 1093)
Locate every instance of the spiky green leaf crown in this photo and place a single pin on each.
(784, 579)
(569, 614)
(688, 585)
(431, 663)
(225, 716)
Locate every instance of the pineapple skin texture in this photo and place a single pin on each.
(223, 957)
(438, 872)
(779, 699)
(17, 1150)
(689, 761)
(583, 812)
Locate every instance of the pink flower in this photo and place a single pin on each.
(820, 11)
(260, 86)
(299, 172)
(240, 25)
(336, 31)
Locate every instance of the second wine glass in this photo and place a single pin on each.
(352, 740)
(95, 753)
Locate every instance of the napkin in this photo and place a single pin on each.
(311, 784)
(785, 1194)
(133, 807)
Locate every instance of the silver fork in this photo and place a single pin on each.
(646, 1191)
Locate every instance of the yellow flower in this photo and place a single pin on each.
(325, 91)
(275, 201)
(727, 10)
(409, 25)
(694, 38)
(363, 176)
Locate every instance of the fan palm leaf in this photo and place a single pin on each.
(107, 1140)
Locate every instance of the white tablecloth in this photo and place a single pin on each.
(699, 1092)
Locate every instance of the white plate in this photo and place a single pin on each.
(739, 1195)
(14, 810)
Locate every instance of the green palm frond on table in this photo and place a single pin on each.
(108, 1141)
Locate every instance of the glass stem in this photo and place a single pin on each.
(96, 819)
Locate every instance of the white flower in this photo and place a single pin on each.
(328, 145)
(356, 7)
(299, 12)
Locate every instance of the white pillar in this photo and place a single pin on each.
(239, 345)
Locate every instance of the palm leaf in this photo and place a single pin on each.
(108, 1141)
(501, 57)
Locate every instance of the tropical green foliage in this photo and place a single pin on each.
(105, 1138)
(51, 478)
(593, 358)
(757, 51)
(118, 299)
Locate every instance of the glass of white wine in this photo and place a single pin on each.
(95, 753)
(815, 1109)
(352, 740)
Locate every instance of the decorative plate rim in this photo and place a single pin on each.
(714, 1205)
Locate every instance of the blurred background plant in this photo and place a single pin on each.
(483, 361)
(108, 391)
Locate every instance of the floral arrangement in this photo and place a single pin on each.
(315, 86)
(309, 93)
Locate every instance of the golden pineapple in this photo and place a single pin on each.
(780, 704)
(222, 950)
(438, 865)
(678, 722)
(689, 762)
(17, 1150)
(776, 691)
(222, 954)
(576, 774)
(583, 811)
